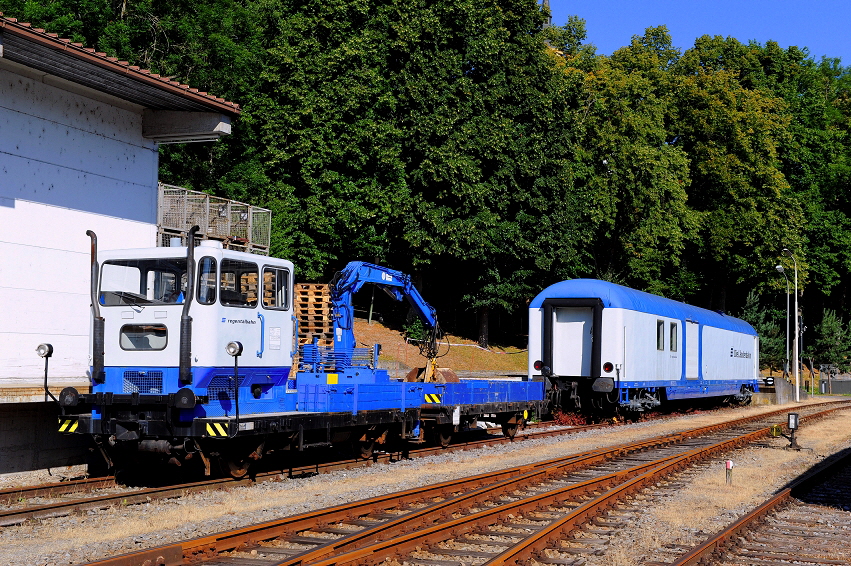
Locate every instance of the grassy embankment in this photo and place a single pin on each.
(464, 356)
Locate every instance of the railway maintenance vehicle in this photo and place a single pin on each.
(195, 361)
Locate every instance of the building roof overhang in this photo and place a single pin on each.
(48, 53)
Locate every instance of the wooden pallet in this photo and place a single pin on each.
(312, 306)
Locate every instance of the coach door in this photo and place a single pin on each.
(572, 339)
(692, 349)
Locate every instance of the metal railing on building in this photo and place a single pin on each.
(237, 225)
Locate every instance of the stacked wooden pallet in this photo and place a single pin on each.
(313, 311)
(269, 288)
(248, 286)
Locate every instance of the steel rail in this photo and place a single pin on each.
(231, 540)
(720, 540)
(436, 533)
(534, 545)
(12, 495)
(517, 479)
(249, 536)
(17, 516)
(61, 508)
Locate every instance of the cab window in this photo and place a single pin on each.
(207, 281)
(276, 288)
(140, 282)
(238, 283)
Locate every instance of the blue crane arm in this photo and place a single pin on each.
(354, 276)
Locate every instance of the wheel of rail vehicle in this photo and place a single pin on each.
(234, 468)
(443, 435)
(365, 448)
(509, 430)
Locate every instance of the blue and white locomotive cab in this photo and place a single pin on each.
(605, 346)
(237, 297)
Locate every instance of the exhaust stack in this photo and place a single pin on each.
(98, 343)
(185, 361)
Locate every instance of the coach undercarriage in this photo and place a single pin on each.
(586, 395)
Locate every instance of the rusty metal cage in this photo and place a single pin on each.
(237, 225)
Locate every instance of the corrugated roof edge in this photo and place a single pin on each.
(618, 296)
(52, 40)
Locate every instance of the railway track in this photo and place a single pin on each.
(20, 507)
(14, 495)
(808, 522)
(100, 493)
(551, 512)
(10, 496)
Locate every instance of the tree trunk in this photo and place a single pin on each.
(483, 326)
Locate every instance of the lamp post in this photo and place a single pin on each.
(786, 361)
(795, 342)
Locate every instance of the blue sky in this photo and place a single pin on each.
(820, 25)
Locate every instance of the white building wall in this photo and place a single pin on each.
(68, 163)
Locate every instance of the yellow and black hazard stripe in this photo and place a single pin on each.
(217, 429)
(434, 398)
(68, 424)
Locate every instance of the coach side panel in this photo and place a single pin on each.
(728, 355)
(652, 351)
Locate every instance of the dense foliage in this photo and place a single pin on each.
(467, 142)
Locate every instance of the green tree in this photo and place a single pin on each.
(640, 217)
(464, 141)
(421, 135)
(732, 135)
(833, 341)
(768, 323)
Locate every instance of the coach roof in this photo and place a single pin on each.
(620, 297)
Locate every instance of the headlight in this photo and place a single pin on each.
(44, 350)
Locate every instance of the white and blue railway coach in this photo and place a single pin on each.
(603, 346)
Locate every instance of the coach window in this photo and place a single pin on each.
(207, 281)
(238, 283)
(660, 335)
(276, 288)
(673, 344)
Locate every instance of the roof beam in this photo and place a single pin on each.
(168, 126)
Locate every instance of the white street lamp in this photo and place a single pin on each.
(782, 272)
(795, 342)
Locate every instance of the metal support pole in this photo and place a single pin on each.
(786, 359)
(795, 360)
(786, 362)
(797, 340)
